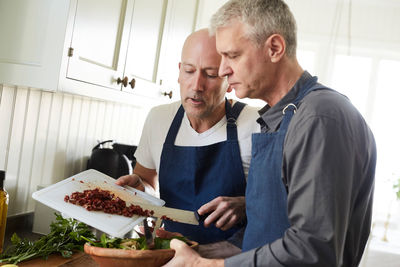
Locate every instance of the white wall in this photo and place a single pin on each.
(330, 27)
(46, 137)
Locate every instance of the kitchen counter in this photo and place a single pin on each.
(79, 259)
(22, 225)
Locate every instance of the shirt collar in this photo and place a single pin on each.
(271, 117)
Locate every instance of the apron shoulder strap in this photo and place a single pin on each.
(313, 87)
(175, 125)
(291, 108)
(236, 109)
(232, 113)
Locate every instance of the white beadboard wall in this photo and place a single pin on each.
(46, 137)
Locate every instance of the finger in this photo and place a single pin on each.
(210, 206)
(181, 252)
(212, 218)
(229, 223)
(132, 180)
(223, 208)
(207, 208)
(224, 218)
(123, 180)
(185, 256)
(177, 244)
(119, 181)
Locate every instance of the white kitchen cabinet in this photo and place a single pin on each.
(156, 43)
(96, 48)
(99, 42)
(32, 38)
(179, 23)
(144, 46)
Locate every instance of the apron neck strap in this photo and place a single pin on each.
(175, 125)
(232, 113)
(308, 87)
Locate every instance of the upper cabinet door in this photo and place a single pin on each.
(99, 41)
(32, 36)
(179, 23)
(144, 46)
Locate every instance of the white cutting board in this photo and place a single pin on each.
(114, 225)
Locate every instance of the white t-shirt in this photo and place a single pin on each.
(159, 120)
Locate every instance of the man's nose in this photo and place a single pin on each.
(224, 68)
(198, 82)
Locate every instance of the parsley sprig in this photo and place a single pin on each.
(66, 236)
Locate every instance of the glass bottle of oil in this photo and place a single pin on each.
(3, 209)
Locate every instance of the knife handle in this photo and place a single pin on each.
(201, 218)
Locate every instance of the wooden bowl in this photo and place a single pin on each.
(110, 257)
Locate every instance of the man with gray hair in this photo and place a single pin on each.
(197, 150)
(311, 178)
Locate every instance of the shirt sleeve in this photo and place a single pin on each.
(143, 153)
(237, 238)
(317, 162)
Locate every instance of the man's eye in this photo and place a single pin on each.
(212, 75)
(189, 71)
(232, 56)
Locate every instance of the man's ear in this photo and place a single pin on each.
(179, 67)
(275, 46)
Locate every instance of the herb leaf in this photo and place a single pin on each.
(66, 236)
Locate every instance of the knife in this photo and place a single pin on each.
(165, 213)
(201, 218)
(147, 233)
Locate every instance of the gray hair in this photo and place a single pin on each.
(263, 17)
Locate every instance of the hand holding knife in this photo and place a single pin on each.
(201, 218)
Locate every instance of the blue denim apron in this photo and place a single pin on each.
(192, 176)
(266, 195)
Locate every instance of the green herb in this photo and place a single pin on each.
(134, 243)
(105, 242)
(66, 236)
(162, 243)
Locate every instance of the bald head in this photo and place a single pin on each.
(200, 42)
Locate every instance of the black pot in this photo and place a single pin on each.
(112, 161)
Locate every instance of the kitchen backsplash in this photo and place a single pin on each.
(46, 137)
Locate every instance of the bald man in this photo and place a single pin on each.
(197, 151)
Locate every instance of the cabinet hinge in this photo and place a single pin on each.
(70, 52)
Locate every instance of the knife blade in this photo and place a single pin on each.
(147, 233)
(165, 213)
(157, 225)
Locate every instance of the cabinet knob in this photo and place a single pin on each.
(132, 83)
(168, 94)
(124, 81)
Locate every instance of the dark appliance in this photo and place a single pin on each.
(113, 159)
